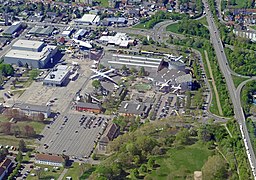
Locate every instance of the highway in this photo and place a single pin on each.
(235, 97)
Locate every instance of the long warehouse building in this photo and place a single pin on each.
(35, 54)
(136, 61)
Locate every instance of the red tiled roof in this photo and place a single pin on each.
(50, 158)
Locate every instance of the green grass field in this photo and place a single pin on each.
(143, 87)
(141, 26)
(203, 21)
(237, 80)
(173, 28)
(180, 163)
(253, 27)
(38, 126)
(104, 3)
(46, 175)
(73, 172)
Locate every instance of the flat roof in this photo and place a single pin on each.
(21, 43)
(57, 74)
(91, 18)
(32, 107)
(32, 55)
(134, 107)
(89, 105)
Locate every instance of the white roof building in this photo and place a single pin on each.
(33, 53)
(120, 39)
(88, 19)
(57, 76)
(85, 44)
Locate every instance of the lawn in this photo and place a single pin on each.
(253, 27)
(237, 80)
(143, 87)
(13, 141)
(46, 175)
(203, 21)
(38, 126)
(104, 3)
(181, 162)
(141, 26)
(74, 171)
(173, 28)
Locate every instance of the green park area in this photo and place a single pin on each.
(45, 173)
(181, 162)
(143, 87)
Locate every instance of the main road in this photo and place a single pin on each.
(223, 63)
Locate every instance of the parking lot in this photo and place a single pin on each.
(73, 135)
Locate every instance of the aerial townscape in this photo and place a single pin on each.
(127, 89)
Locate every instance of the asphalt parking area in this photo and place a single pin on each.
(73, 135)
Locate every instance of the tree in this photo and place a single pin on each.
(15, 130)
(96, 84)
(135, 173)
(22, 146)
(142, 72)
(143, 169)
(29, 131)
(214, 168)
(33, 74)
(6, 127)
(19, 157)
(151, 163)
(40, 117)
(182, 137)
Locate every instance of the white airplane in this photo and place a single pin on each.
(176, 88)
(178, 59)
(165, 84)
(169, 55)
(102, 74)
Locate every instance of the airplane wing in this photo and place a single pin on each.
(109, 78)
(95, 71)
(94, 76)
(109, 71)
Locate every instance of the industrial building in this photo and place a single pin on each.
(14, 28)
(120, 39)
(134, 109)
(41, 31)
(30, 109)
(151, 64)
(58, 76)
(88, 19)
(35, 54)
(116, 20)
